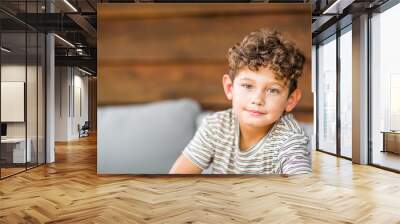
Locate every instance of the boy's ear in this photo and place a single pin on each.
(293, 99)
(228, 85)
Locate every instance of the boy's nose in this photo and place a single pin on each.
(258, 98)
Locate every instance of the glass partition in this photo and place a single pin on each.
(385, 89)
(13, 94)
(327, 95)
(41, 91)
(31, 100)
(22, 88)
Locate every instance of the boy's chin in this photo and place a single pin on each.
(256, 123)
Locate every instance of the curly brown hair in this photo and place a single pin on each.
(267, 48)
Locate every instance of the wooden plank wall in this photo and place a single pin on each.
(149, 52)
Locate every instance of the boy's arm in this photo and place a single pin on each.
(294, 157)
(198, 154)
(184, 165)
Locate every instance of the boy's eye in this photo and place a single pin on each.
(247, 86)
(273, 91)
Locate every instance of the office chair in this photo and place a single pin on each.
(84, 130)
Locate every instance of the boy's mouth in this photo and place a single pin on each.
(255, 112)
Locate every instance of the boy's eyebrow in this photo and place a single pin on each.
(272, 83)
(247, 79)
(278, 83)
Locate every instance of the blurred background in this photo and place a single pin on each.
(49, 56)
(160, 70)
(168, 51)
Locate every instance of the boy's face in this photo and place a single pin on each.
(258, 99)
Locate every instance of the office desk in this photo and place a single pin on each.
(391, 141)
(13, 150)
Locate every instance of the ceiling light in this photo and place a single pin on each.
(84, 71)
(65, 41)
(5, 49)
(70, 5)
(338, 6)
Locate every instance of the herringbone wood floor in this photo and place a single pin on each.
(70, 191)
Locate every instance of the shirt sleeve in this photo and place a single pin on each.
(294, 157)
(200, 149)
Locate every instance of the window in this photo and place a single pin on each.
(346, 92)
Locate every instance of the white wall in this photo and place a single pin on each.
(69, 82)
(33, 127)
(79, 117)
(61, 103)
(10, 73)
(13, 72)
(16, 73)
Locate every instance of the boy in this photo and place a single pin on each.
(257, 135)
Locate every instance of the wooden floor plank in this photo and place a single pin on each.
(70, 191)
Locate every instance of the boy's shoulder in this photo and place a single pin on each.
(223, 114)
(290, 127)
(220, 119)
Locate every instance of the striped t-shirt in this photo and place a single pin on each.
(282, 151)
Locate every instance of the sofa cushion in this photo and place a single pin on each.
(144, 139)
